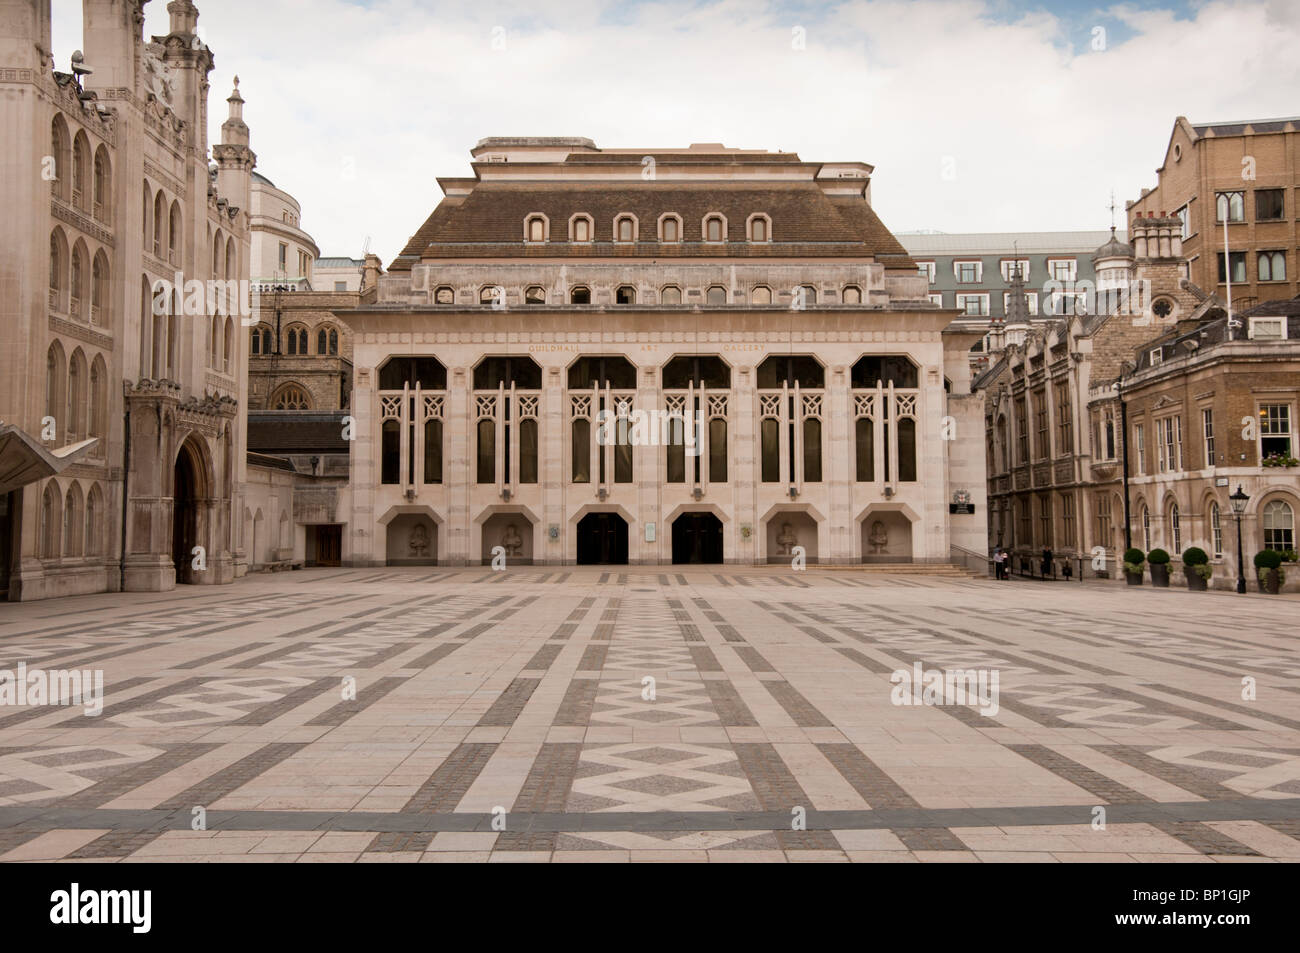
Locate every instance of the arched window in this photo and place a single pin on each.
(444, 295)
(103, 185)
(390, 453)
(486, 471)
(62, 155)
(260, 345)
(73, 522)
(852, 294)
(56, 389)
(291, 397)
(670, 294)
(536, 228)
(1279, 526)
(228, 346)
(214, 342)
(809, 294)
(625, 229)
(670, 229)
(159, 224)
(93, 545)
(80, 166)
(58, 269)
(1175, 528)
(145, 215)
(760, 228)
(864, 437)
(296, 340)
(761, 295)
(906, 450)
(713, 229)
(433, 450)
(174, 234)
(77, 283)
(716, 295)
(883, 370)
(75, 421)
(1146, 529)
(99, 296)
(232, 259)
(98, 410)
(625, 294)
(1216, 531)
(174, 336)
(580, 294)
(51, 521)
(491, 294)
(812, 449)
(535, 294)
(327, 341)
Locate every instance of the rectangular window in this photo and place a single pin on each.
(973, 304)
(926, 269)
(1026, 524)
(1268, 205)
(284, 256)
(1207, 427)
(486, 471)
(1067, 520)
(937, 299)
(1040, 420)
(1064, 422)
(1169, 444)
(1139, 444)
(676, 449)
(1104, 535)
(340, 286)
(1012, 265)
(968, 272)
(1216, 530)
(1185, 218)
(1229, 206)
(1267, 329)
(1045, 520)
(1031, 300)
(1238, 267)
(864, 438)
(1062, 269)
(771, 430)
(1275, 430)
(718, 450)
(1022, 430)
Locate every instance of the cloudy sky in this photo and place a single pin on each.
(979, 115)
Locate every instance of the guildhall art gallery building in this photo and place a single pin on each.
(567, 308)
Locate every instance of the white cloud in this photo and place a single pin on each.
(1039, 128)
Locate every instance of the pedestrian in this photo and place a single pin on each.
(1000, 563)
(1067, 571)
(1047, 561)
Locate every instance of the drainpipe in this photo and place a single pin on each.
(126, 477)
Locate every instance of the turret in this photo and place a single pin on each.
(25, 34)
(112, 33)
(235, 160)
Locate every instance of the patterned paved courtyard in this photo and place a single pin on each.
(512, 716)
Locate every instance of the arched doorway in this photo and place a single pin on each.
(697, 538)
(513, 532)
(886, 537)
(602, 540)
(188, 490)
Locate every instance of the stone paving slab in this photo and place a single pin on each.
(619, 714)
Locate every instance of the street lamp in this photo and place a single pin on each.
(1239, 501)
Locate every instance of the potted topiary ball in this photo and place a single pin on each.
(1158, 560)
(1133, 560)
(1268, 563)
(1196, 567)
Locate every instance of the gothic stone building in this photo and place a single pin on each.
(752, 293)
(122, 447)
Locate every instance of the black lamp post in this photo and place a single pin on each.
(1239, 501)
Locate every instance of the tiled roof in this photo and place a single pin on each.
(489, 222)
(295, 431)
(994, 243)
(1238, 128)
(1269, 309)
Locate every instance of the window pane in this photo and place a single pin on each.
(771, 449)
(715, 230)
(717, 450)
(390, 455)
(865, 438)
(907, 451)
(433, 451)
(487, 451)
(676, 450)
(581, 450)
(812, 450)
(622, 450)
(528, 450)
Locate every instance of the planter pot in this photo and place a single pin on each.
(1160, 575)
(1134, 579)
(1271, 582)
(1195, 582)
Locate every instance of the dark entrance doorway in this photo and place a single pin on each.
(186, 492)
(329, 545)
(697, 538)
(9, 509)
(602, 540)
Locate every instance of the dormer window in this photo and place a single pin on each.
(670, 294)
(761, 295)
(760, 228)
(535, 294)
(444, 295)
(580, 229)
(490, 294)
(852, 294)
(716, 295)
(535, 229)
(580, 295)
(625, 229)
(625, 294)
(713, 229)
(670, 229)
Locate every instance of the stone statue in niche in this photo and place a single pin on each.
(419, 541)
(511, 540)
(879, 538)
(787, 539)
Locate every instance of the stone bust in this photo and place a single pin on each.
(879, 538)
(419, 541)
(511, 541)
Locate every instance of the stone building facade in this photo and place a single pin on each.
(108, 195)
(754, 295)
(1158, 379)
(1244, 172)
